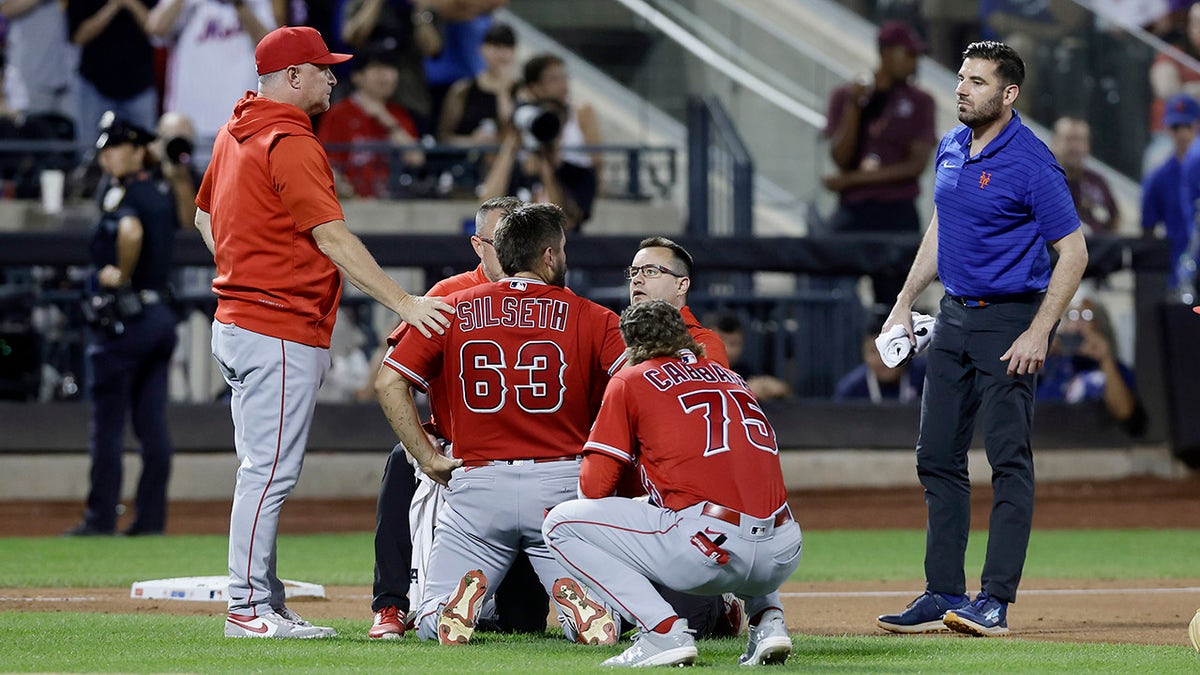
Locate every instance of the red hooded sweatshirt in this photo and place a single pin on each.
(268, 185)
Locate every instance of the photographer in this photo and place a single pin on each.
(1083, 366)
(133, 332)
(530, 164)
(174, 149)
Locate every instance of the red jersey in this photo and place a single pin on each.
(694, 432)
(366, 169)
(714, 349)
(267, 186)
(439, 408)
(523, 365)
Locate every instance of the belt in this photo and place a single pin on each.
(517, 462)
(1028, 296)
(735, 517)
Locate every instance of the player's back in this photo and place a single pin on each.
(702, 435)
(525, 364)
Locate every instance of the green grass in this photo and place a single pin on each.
(162, 643)
(831, 555)
(78, 642)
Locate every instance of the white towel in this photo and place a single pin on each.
(894, 347)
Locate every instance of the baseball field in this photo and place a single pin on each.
(1112, 580)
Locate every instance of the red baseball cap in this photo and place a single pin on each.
(292, 46)
(899, 33)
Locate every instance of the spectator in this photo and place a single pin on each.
(545, 79)
(728, 327)
(39, 75)
(368, 114)
(1163, 210)
(210, 55)
(1072, 146)
(1169, 76)
(1083, 366)
(530, 165)
(116, 62)
(1034, 28)
(172, 153)
(475, 108)
(874, 381)
(464, 24)
(949, 25)
(881, 135)
(406, 32)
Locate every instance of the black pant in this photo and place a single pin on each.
(965, 380)
(521, 603)
(129, 380)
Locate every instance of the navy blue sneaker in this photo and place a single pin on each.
(923, 615)
(986, 616)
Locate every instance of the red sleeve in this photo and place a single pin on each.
(304, 181)
(714, 349)
(834, 115)
(417, 358)
(600, 475)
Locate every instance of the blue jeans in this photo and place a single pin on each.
(141, 109)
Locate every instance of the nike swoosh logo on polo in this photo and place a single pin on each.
(262, 627)
(949, 165)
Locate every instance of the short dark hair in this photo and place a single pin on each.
(534, 67)
(724, 321)
(655, 328)
(501, 35)
(505, 205)
(678, 252)
(1009, 65)
(524, 234)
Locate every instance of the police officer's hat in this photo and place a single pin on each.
(115, 131)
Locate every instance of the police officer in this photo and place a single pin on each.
(133, 332)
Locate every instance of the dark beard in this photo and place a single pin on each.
(560, 277)
(984, 115)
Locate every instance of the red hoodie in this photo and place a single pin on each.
(269, 183)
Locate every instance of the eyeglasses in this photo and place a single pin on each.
(487, 240)
(651, 272)
(1080, 315)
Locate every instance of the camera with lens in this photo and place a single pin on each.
(110, 311)
(179, 150)
(539, 122)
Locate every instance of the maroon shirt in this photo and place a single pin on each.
(1094, 202)
(892, 122)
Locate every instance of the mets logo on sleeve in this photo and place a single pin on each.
(984, 179)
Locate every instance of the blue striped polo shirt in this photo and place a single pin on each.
(997, 210)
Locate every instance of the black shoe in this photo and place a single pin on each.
(86, 529)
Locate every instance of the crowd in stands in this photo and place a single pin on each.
(435, 103)
(428, 74)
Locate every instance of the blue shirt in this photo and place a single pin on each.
(997, 210)
(460, 57)
(1164, 201)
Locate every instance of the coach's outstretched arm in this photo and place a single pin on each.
(395, 397)
(354, 260)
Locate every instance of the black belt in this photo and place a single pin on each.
(965, 301)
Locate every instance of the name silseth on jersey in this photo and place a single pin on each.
(514, 312)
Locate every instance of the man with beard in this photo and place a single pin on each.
(999, 198)
(522, 368)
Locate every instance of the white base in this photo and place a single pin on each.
(210, 589)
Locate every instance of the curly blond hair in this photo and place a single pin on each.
(655, 328)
